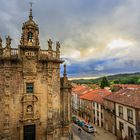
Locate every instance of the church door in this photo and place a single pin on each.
(29, 132)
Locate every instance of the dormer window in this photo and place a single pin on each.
(30, 36)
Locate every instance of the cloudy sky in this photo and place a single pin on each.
(98, 37)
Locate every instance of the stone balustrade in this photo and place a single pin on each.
(49, 55)
(14, 52)
(44, 55)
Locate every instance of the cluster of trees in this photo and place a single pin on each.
(133, 78)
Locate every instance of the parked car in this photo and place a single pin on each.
(88, 128)
(81, 123)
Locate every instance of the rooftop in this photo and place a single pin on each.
(129, 86)
(80, 90)
(96, 95)
(128, 97)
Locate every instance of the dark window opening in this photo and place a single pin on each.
(121, 126)
(121, 111)
(130, 133)
(130, 115)
(29, 88)
(29, 132)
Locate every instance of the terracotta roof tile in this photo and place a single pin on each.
(80, 90)
(128, 97)
(129, 86)
(96, 95)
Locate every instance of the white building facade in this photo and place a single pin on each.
(125, 121)
(98, 114)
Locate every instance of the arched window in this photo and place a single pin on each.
(30, 35)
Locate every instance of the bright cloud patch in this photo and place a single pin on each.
(119, 43)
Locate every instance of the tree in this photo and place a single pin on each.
(104, 83)
(116, 81)
(138, 82)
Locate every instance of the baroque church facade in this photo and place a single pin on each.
(35, 102)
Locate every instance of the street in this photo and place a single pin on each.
(100, 135)
(83, 135)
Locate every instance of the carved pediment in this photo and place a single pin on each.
(30, 110)
(29, 98)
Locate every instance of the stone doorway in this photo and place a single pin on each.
(29, 132)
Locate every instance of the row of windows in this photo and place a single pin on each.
(129, 114)
(97, 105)
(98, 113)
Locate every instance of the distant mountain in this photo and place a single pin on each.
(127, 78)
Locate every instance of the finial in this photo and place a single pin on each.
(30, 15)
(65, 71)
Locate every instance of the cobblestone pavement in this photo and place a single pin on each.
(100, 135)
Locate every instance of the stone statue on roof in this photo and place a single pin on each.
(50, 44)
(57, 46)
(8, 41)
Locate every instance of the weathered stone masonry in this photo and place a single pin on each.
(33, 97)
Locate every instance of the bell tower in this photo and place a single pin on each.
(30, 32)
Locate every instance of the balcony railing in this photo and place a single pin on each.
(14, 53)
(49, 55)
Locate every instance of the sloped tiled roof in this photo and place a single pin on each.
(80, 90)
(96, 95)
(129, 86)
(128, 97)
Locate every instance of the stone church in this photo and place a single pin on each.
(35, 103)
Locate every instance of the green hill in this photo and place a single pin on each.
(128, 78)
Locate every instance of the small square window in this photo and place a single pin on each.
(29, 88)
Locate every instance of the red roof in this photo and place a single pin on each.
(129, 86)
(128, 97)
(80, 90)
(96, 95)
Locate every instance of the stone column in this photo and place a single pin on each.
(1, 49)
(6, 122)
(50, 103)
